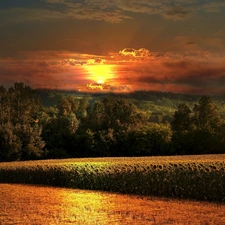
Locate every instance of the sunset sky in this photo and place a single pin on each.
(123, 45)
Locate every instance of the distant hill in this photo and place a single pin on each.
(161, 105)
(51, 97)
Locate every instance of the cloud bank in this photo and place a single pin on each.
(198, 73)
(114, 11)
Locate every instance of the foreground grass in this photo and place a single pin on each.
(189, 177)
(49, 205)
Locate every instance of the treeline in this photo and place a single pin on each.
(20, 132)
(105, 126)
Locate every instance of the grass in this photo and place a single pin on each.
(33, 205)
(185, 177)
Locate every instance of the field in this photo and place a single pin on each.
(41, 205)
(186, 177)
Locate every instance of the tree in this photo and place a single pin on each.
(59, 132)
(126, 113)
(23, 103)
(56, 133)
(20, 133)
(96, 117)
(197, 131)
(205, 113)
(105, 128)
(69, 104)
(113, 113)
(10, 144)
(64, 107)
(82, 109)
(31, 141)
(182, 118)
(151, 139)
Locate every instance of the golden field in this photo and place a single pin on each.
(199, 177)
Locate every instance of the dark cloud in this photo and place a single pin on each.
(39, 74)
(214, 6)
(176, 13)
(189, 43)
(43, 64)
(203, 77)
(73, 62)
(110, 11)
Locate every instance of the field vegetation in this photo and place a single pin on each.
(186, 177)
(50, 205)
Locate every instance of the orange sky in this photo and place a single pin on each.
(124, 46)
(199, 73)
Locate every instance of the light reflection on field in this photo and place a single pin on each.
(26, 204)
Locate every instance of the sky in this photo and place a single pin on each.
(114, 45)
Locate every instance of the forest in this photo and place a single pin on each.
(46, 124)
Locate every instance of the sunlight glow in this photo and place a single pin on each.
(100, 73)
(101, 81)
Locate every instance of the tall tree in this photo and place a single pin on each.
(23, 103)
(206, 114)
(182, 118)
(20, 133)
(197, 131)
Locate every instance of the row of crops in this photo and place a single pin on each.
(189, 177)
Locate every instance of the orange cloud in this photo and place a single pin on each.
(141, 53)
(192, 72)
(96, 61)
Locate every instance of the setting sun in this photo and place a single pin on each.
(101, 81)
(100, 73)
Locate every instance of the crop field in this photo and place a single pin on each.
(187, 177)
(42, 205)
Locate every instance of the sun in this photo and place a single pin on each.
(101, 81)
(100, 73)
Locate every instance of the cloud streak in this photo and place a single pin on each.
(71, 71)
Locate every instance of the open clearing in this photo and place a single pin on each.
(39, 205)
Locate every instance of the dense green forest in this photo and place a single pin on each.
(41, 124)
